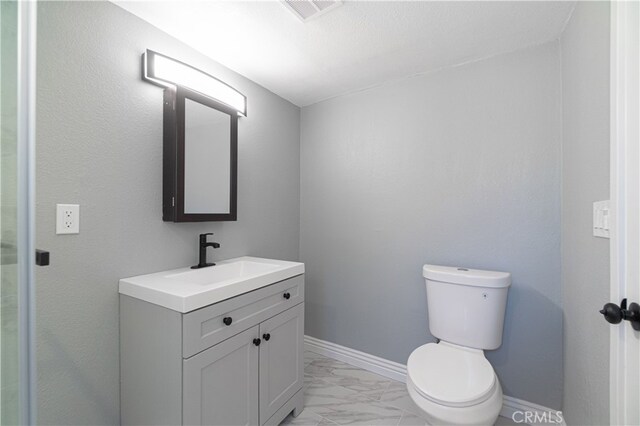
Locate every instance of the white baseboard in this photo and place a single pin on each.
(542, 415)
(381, 366)
(396, 371)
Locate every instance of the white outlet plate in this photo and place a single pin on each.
(601, 219)
(67, 219)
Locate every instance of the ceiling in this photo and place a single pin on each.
(357, 45)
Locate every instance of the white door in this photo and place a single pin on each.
(625, 202)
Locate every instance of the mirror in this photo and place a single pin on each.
(207, 170)
(200, 158)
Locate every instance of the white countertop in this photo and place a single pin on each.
(187, 289)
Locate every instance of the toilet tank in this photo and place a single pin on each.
(466, 306)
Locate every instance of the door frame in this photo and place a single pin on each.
(26, 164)
(625, 204)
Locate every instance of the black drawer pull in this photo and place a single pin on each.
(227, 320)
(286, 295)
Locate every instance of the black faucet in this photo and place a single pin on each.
(202, 262)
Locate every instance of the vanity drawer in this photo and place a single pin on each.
(206, 327)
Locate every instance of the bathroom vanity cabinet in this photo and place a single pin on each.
(235, 362)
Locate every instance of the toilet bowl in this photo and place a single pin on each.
(452, 382)
(453, 385)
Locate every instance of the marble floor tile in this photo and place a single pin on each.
(323, 367)
(366, 412)
(397, 395)
(325, 422)
(336, 393)
(321, 397)
(504, 421)
(410, 419)
(306, 418)
(348, 376)
(307, 379)
(312, 356)
(357, 379)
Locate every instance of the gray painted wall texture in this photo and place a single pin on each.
(100, 145)
(585, 179)
(458, 167)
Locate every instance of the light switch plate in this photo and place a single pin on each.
(67, 219)
(601, 219)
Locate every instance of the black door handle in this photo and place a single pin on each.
(227, 320)
(256, 342)
(614, 314)
(266, 336)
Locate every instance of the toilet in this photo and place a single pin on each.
(451, 381)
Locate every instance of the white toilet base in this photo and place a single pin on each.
(483, 414)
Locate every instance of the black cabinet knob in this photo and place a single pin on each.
(227, 320)
(286, 296)
(266, 336)
(256, 342)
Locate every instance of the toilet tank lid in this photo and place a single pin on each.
(471, 277)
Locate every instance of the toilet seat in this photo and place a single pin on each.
(451, 375)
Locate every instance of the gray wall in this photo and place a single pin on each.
(100, 145)
(458, 167)
(585, 179)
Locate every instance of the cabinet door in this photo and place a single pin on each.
(220, 384)
(281, 364)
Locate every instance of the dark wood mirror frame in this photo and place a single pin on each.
(174, 157)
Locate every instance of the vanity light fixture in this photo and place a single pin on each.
(168, 72)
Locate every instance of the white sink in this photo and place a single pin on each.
(186, 289)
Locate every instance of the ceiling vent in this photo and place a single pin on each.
(306, 10)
